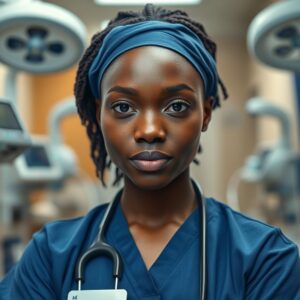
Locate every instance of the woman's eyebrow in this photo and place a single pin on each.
(167, 90)
(177, 88)
(123, 90)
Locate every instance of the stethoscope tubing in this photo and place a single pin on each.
(203, 275)
(202, 208)
(101, 247)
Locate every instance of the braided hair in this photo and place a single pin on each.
(85, 100)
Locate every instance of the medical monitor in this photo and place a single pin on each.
(14, 138)
(36, 164)
(37, 157)
(8, 119)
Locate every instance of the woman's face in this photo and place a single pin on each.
(151, 115)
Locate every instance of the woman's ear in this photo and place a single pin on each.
(207, 109)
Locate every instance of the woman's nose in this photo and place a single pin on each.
(149, 128)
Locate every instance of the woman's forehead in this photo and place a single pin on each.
(151, 63)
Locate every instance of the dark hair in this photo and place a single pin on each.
(85, 100)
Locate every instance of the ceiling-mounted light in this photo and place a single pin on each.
(39, 37)
(141, 2)
(274, 35)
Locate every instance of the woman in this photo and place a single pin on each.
(145, 90)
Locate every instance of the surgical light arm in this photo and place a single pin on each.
(63, 155)
(257, 106)
(272, 166)
(65, 108)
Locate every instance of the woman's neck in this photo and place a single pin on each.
(157, 208)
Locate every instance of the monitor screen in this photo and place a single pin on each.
(8, 119)
(37, 157)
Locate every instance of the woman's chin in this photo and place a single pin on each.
(150, 181)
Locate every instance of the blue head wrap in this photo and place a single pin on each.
(173, 36)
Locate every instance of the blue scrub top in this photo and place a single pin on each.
(246, 259)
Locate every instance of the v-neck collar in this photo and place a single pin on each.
(147, 283)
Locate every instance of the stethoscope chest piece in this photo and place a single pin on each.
(116, 294)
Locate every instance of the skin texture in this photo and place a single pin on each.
(153, 100)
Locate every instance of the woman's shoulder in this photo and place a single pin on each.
(240, 227)
(263, 256)
(90, 215)
(49, 258)
(58, 233)
(267, 260)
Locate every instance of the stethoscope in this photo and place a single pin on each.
(101, 247)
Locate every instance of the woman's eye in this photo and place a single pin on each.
(178, 107)
(122, 108)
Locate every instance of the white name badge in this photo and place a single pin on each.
(98, 295)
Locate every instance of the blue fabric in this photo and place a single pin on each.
(246, 260)
(176, 37)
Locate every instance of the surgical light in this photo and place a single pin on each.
(39, 37)
(274, 35)
(139, 2)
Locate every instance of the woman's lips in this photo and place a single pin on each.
(150, 165)
(150, 161)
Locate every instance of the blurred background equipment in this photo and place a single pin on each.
(14, 138)
(274, 39)
(37, 164)
(274, 35)
(51, 165)
(62, 155)
(276, 167)
(38, 38)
